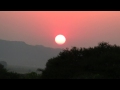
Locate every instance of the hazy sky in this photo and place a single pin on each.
(81, 28)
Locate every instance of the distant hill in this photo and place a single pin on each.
(21, 54)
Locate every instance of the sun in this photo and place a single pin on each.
(60, 39)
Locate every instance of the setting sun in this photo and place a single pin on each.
(60, 39)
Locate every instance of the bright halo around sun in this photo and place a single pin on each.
(60, 39)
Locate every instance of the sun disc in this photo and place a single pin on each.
(60, 39)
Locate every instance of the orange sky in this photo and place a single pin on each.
(81, 28)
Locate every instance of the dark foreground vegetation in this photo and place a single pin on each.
(99, 62)
(4, 74)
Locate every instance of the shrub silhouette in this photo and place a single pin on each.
(3, 63)
(99, 62)
(4, 74)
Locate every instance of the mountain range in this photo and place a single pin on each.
(19, 53)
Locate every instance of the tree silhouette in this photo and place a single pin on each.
(3, 63)
(102, 61)
(3, 72)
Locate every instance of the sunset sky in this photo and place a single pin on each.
(81, 28)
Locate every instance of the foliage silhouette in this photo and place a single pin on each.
(32, 75)
(3, 63)
(4, 74)
(99, 62)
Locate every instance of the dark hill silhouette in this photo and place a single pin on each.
(21, 54)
